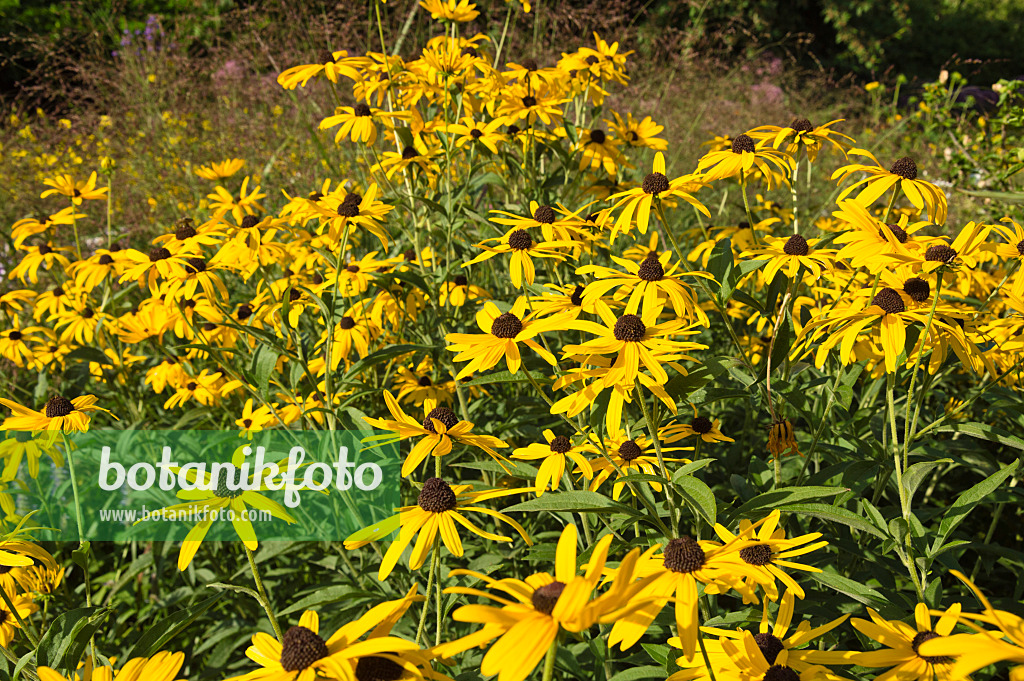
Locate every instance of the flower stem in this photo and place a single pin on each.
(434, 561)
(652, 428)
(910, 425)
(264, 599)
(549, 660)
(746, 207)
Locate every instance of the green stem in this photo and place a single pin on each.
(264, 599)
(434, 562)
(908, 425)
(652, 428)
(549, 660)
(746, 206)
(32, 638)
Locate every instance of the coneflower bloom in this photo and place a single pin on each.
(440, 426)
(553, 454)
(439, 511)
(740, 158)
(636, 203)
(902, 174)
(59, 413)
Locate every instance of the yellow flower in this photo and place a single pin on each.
(902, 174)
(636, 203)
(438, 512)
(502, 333)
(219, 171)
(902, 652)
(59, 413)
(739, 159)
(554, 454)
(534, 611)
(164, 666)
(439, 427)
(303, 655)
(76, 191)
(450, 10)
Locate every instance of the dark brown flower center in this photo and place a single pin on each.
(796, 245)
(655, 183)
(897, 231)
(105, 259)
(561, 444)
(424, 382)
(347, 323)
(361, 109)
(701, 425)
(506, 325)
(801, 125)
(185, 230)
(475, 134)
(629, 451)
(442, 414)
(520, 240)
(756, 554)
(576, 297)
(770, 646)
(544, 215)
(191, 386)
(376, 668)
(529, 101)
(349, 208)
(461, 280)
(904, 167)
(195, 265)
(629, 328)
(922, 636)
(159, 253)
(300, 648)
(409, 153)
(546, 597)
(45, 249)
(88, 313)
(249, 221)
(889, 300)
(223, 491)
(14, 335)
(779, 673)
(684, 555)
(939, 253)
(354, 269)
(651, 268)
(597, 136)
(58, 406)
(917, 288)
(244, 311)
(437, 496)
(742, 143)
(1020, 248)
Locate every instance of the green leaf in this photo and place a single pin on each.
(984, 432)
(332, 594)
(88, 354)
(692, 467)
(966, 502)
(385, 354)
(509, 377)
(700, 496)
(915, 475)
(66, 638)
(576, 500)
(1005, 197)
(837, 514)
(263, 362)
(784, 497)
(854, 590)
(646, 672)
(163, 630)
(720, 265)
